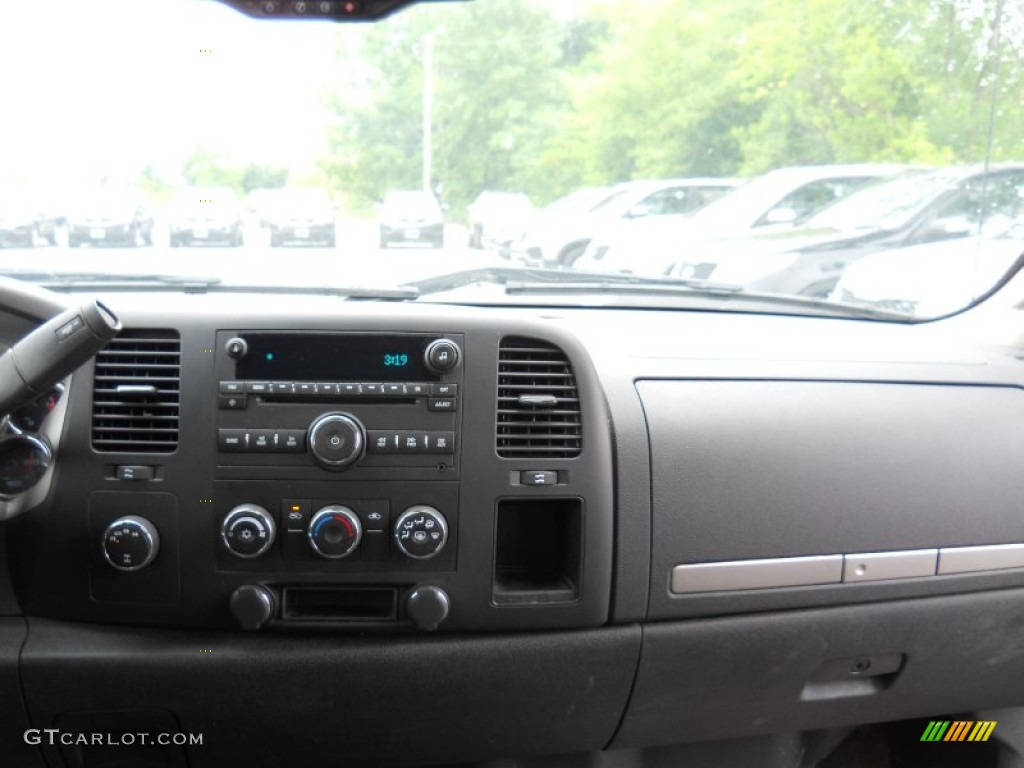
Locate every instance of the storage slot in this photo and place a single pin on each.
(340, 603)
(538, 551)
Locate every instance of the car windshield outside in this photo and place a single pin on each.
(517, 136)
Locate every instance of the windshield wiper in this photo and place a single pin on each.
(524, 281)
(105, 281)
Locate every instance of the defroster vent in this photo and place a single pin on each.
(136, 393)
(538, 402)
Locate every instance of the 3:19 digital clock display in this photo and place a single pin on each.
(334, 357)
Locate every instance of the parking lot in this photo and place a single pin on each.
(357, 259)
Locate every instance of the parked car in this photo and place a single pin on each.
(411, 216)
(906, 211)
(109, 216)
(25, 219)
(300, 216)
(206, 215)
(775, 201)
(931, 279)
(561, 238)
(498, 218)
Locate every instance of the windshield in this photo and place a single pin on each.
(515, 134)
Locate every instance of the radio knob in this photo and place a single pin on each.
(421, 532)
(334, 532)
(248, 531)
(441, 355)
(336, 440)
(130, 543)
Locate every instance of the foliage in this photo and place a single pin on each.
(207, 169)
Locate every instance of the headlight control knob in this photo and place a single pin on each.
(130, 543)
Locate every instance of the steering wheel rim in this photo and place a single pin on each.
(28, 300)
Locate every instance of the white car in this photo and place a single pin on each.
(560, 238)
(780, 199)
(933, 279)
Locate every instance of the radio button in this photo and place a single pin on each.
(444, 389)
(326, 388)
(349, 389)
(281, 387)
(394, 390)
(257, 387)
(373, 390)
(336, 440)
(417, 390)
(232, 387)
(442, 442)
(442, 355)
(441, 404)
(231, 440)
(231, 402)
(292, 441)
(412, 442)
(303, 388)
(261, 440)
(382, 441)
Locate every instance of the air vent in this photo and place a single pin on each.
(538, 403)
(135, 394)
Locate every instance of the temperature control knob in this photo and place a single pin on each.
(334, 532)
(337, 440)
(130, 543)
(421, 532)
(248, 531)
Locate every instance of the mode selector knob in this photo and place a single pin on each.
(441, 355)
(248, 531)
(421, 532)
(337, 440)
(130, 543)
(334, 532)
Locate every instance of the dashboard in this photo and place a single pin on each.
(385, 533)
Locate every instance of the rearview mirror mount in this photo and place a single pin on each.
(323, 10)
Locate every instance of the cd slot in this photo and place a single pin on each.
(338, 399)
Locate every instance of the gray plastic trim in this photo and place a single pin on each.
(879, 566)
(985, 558)
(757, 574)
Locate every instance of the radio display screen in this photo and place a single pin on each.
(334, 357)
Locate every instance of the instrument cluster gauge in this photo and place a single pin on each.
(24, 460)
(29, 417)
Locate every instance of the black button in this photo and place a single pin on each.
(294, 514)
(410, 442)
(441, 442)
(336, 440)
(538, 477)
(135, 472)
(231, 440)
(281, 387)
(442, 355)
(292, 441)
(394, 390)
(373, 389)
(257, 387)
(326, 388)
(348, 389)
(303, 388)
(444, 389)
(419, 390)
(231, 402)
(261, 440)
(374, 515)
(236, 347)
(381, 441)
(232, 387)
(441, 404)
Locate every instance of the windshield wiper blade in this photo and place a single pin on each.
(103, 281)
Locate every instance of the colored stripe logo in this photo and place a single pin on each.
(958, 730)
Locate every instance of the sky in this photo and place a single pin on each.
(106, 87)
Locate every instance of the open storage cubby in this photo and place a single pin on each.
(538, 551)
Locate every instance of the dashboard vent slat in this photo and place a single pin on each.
(531, 367)
(147, 363)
